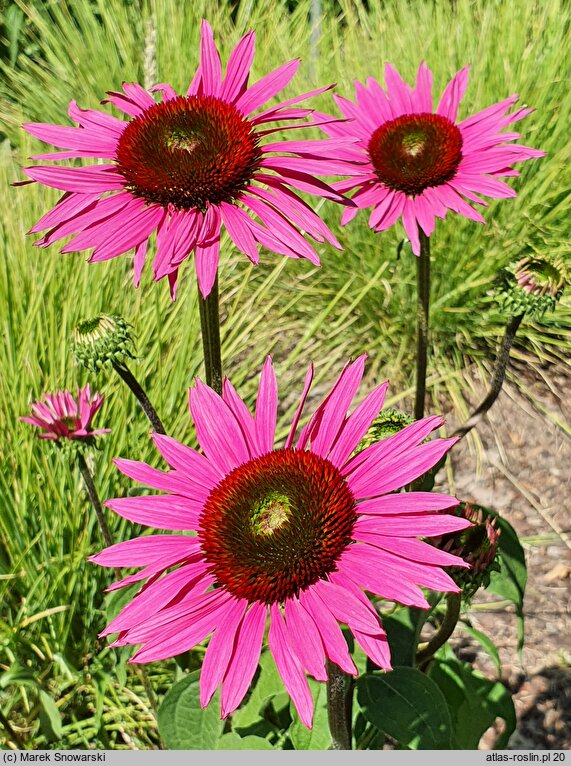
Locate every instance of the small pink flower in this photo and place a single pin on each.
(417, 163)
(185, 166)
(294, 534)
(60, 416)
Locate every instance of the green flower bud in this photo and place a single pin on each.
(388, 423)
(103, 340)
(532, 285)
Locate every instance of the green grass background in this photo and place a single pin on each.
(58, 682)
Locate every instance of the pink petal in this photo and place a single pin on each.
(267, 407)
(238, 69)
(172, 481)
(412, 549)
(85, 180)
(189, 462)
(237, 224)
(289, 668)
(305, 639)
(361, 564)
(210, 65)
(453, 94)
(357, 425)
(244, 661)
(220, 649)
(415, 525)
(422, 93)
(243, 416)
(398, 90)
(217, 430)
(330, 632)
(407, 502)
(206, 255)
(306, 387)
(159, 511)
(267, 87)
(145, 550)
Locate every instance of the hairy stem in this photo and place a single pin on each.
(124, 372)
(210, 327)
(498, 376)
(422, 313)
(427, 652)
(339, 706)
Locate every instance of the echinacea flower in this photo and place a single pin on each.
(60, 416)
(104, 340)
(294, 533)
(416, 162)
(185, 166)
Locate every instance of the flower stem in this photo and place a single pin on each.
(422, 312)
(124, 372)
(339, 706)
(210, 327)
(94, 497)
(498, 376)
(427, 652)
(14, 736)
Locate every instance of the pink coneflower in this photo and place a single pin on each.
(61, 416)
(188, 165)
(293, 533)
(417, 163)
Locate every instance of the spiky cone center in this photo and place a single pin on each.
(102, 340)
(416, 151)
(188, 152)
(276, 525)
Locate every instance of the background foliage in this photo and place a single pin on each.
(59, 684)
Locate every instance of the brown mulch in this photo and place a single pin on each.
(524, 473)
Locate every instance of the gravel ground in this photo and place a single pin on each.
(524, 474)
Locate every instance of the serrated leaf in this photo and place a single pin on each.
(319, 737)
(408, 706)
(183, 723)
(232, 741)
(474, 701)
(50, 717)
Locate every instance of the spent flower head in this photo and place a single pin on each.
(532, 285)
(295, 533)
(104, 340)
(415, 162)
(61, 417)
(186, 165)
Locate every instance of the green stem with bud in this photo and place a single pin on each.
(210, 326)
(339, 706)
(498, 376)
(125, 373)
(422, 314)
(427, 651)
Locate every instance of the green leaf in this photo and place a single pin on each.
(183, 723)
(408, 706)
(486, 643)
(117, 599)
(268, 685)
(319, 737)
(511, 580)
(50, 717)
(474, 701)
(232, 741)
(402, 628)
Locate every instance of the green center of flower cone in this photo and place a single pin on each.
(276, 524)
(416, 151)
(188, 152)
